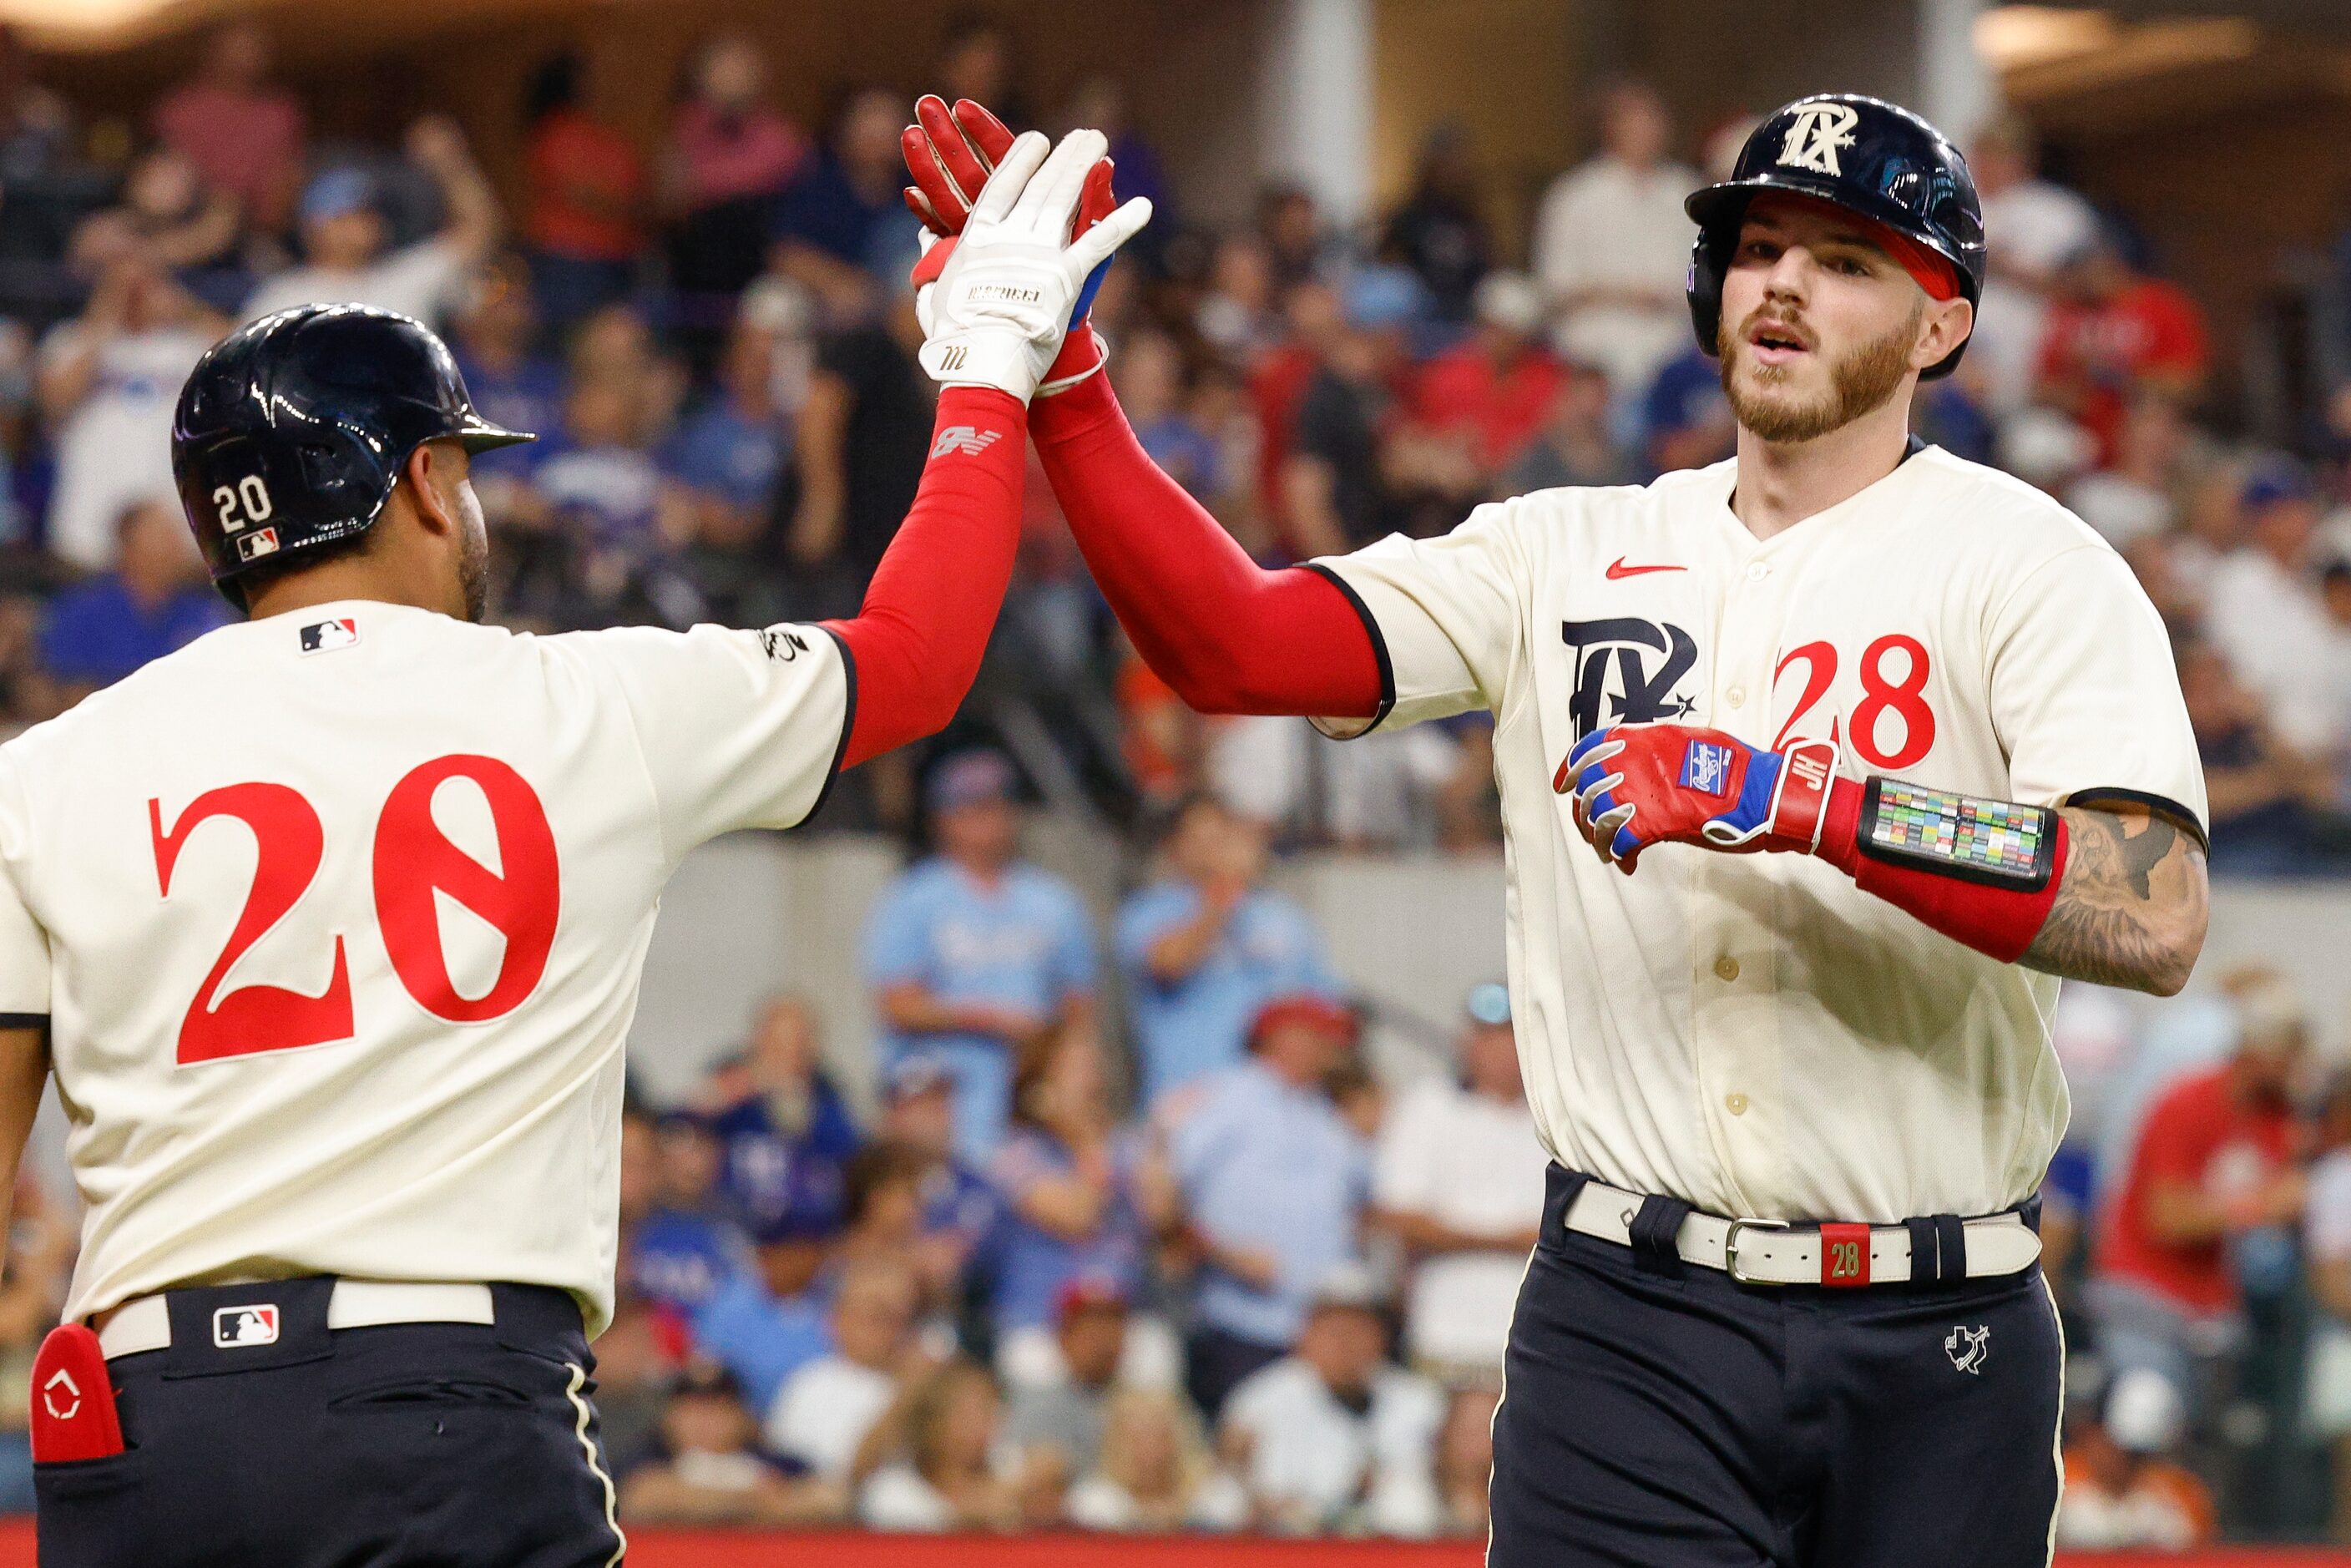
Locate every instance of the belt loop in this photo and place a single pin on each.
(1951, 1250)
(1654, 1229)
(1560, 1187)
(1925, 1251)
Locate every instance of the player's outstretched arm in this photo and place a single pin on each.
(1227, 636)
(993, 317)
(2132, 907)
(2117, 897)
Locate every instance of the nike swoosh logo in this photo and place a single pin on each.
(1617, 569)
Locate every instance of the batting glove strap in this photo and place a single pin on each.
(1633, 785)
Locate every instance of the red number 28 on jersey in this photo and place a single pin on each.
(413, 860)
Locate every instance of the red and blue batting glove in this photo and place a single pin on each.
(1637, 785)
(950, 153)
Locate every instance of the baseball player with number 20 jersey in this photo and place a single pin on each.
(1818, 768)
(332, 926)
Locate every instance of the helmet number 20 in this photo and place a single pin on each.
(414, 866)
(244, 503)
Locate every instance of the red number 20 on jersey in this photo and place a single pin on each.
(413, 861)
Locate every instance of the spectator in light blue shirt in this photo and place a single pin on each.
(1204, 950)
(972, 954)
(1273, 1181)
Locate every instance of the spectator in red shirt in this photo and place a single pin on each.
(243, 136)
(2114, 334)
(730, 155)
(587, 198)
(1499, 386)
(2214, 1163)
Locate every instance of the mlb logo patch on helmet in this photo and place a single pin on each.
(326, 636)
(254, 545)
(1706, 767)
(237, 1328)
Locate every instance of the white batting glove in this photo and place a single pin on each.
(997, 313)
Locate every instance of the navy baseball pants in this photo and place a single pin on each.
(1657, 1415)
(453, 1445)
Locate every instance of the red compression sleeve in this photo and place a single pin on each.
(1997, 921)
(915, 646)
(1227, 636)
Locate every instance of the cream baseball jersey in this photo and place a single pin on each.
(337, 919)
(1753, 1034)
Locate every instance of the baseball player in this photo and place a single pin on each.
(1873, 745)
(330, 927)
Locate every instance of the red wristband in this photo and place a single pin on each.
(2001, 921)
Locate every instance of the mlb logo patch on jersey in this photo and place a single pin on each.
(257, 544)
(1706, 766)
(240, 1328)
(326, 636)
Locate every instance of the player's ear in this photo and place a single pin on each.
(433, 474)
(1944, 326)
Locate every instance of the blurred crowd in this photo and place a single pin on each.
(1129, 1236)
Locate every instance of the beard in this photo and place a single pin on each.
(473, 558)
(1859, 382)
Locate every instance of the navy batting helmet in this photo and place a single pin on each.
(292, 431)
(1863, 154)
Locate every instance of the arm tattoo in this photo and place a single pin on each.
(2132, 908)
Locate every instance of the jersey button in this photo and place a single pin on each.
(1736, 697)
(1757, 571)
(1735, 1104)
(1726, 967)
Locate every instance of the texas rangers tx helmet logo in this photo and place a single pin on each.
(1968, 1348)
(236, 1328)
(1816, 133)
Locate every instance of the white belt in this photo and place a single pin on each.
(1768, 1252)
(144, 1323)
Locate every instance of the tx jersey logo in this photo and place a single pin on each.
(1816, 133)
(1968, 1348)
(967, 439)
(326, 636)
(1646, 661)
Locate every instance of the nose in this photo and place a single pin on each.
(1789, 276)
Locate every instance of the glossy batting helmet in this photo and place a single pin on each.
(1863, 154)
(292, 431)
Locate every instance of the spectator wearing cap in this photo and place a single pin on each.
(972, 954)
(343, 237)
(825, 1409)
(1332, 1437)
(784, 1129)
(1497, 388)
(1459, 1180)
(2125, 1488)
(243, 134)
(685, 1248)
(1334, 494)
(2262, 610)
(1065, 1413)
(1440, 231)
(1203, 950)
(1612, 243)
(1685, 420)
(1082, 1199)
(960, 1213)
(1272, 1183)
(709, 1468)
(2214, 1167)
(155, 600)
(767, 1320)
(2113, 334)
(589, 194)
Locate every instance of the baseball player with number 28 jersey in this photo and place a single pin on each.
(1819, 767)
(332, 927)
